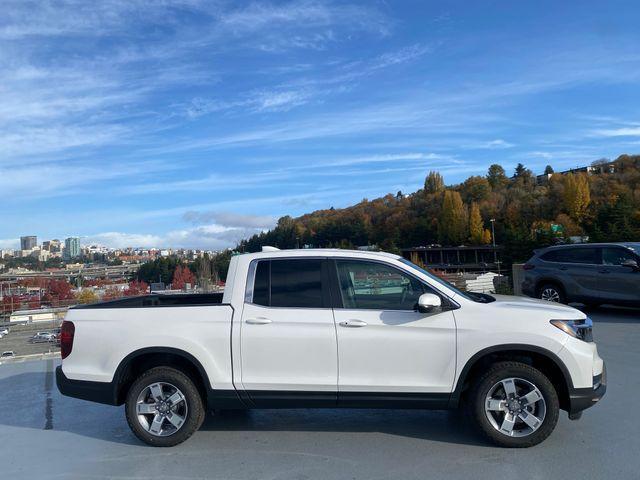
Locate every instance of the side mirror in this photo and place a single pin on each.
(427, 302)
(632, 264)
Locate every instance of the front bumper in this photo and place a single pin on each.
(582, 398)
(100, 392)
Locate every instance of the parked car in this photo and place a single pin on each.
(592, 274)
(42, 337)
(8, 354)
(332, 328)
(4, 331)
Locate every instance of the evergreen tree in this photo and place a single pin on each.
(520, 170)
(496, 176)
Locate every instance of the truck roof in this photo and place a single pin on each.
(315, 252)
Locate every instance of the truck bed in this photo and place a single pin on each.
(159, 300)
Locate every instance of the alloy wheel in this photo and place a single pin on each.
(515, 407)
(161, 409)
(550, 295)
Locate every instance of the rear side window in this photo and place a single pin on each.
(572, 255)
(261, 284)
(289, 283)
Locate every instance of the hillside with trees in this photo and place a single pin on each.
(529, 211)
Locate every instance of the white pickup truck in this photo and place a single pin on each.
(332, 328)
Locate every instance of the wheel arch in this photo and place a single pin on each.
(145, 358)
(542, 359)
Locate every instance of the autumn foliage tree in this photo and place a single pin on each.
(453, 219)
(576, 195)
(476, 228)
(87, 295)
(181, 277)
(136, 288)
(434, 183)
(58, 292)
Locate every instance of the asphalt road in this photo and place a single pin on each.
(45, 435)
(17, 340)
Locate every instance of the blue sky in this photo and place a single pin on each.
(196, 123)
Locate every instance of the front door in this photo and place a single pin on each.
(288, 336)
(616, 282)
(385, 345)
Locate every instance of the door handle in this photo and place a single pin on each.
(564, 267)
(604, 270)
(353, 323)
(257, 321)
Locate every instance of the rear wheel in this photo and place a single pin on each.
(164, 407)
(514, 405)
(551, 293)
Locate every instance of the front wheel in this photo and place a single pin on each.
(514, 405)
(164, 407)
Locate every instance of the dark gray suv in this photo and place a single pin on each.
(591, 273)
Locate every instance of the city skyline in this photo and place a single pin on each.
(62, 244)
(197, 125)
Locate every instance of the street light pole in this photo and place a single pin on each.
(493, 231)
(493, 240)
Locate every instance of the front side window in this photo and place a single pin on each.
(616, 255)
(295, 283)
(375, 286)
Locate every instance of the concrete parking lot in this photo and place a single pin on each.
(45, 435)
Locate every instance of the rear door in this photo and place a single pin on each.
(288, 335)
(385, 346)
(577, 268)
(615, 281)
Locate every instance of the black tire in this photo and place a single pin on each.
(501, 371)
(553, 287)
(195, 411)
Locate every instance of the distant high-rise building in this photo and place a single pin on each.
(55, 246)
(72, 247)
(29, 242)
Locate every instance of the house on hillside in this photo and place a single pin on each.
(594, 169)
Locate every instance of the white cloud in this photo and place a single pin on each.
(208, 237)
(228, 219)
(619, 132)
(496, 144)
(48, 180)
(320, 19)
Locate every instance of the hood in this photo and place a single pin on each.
(533, 305)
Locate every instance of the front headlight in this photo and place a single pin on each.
(580, 329)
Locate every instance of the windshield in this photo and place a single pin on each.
(474, 297)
